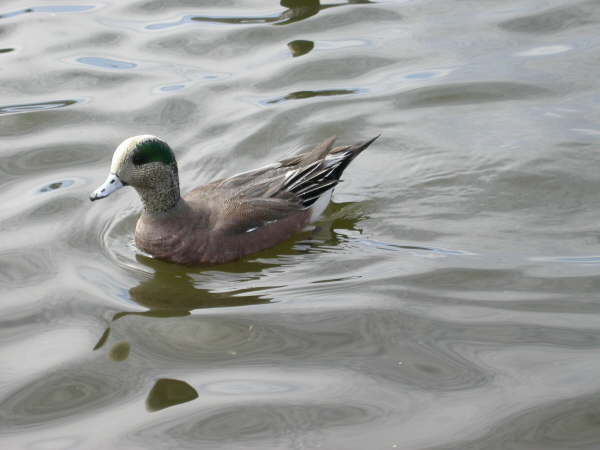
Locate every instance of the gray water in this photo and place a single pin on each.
(448, 299)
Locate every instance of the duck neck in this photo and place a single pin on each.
(162, 197)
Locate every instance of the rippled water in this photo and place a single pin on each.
(447, 300)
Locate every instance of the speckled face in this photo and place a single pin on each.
(148, 164)
(140, 160)
(141, 150)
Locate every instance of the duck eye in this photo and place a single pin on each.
(139, 158)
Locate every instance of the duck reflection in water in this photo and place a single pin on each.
(173, 291)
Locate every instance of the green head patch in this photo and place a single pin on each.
(152, 150)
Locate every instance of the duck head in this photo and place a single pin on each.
(147, 164)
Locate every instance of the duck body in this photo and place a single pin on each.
(230, 218)
(195, 234)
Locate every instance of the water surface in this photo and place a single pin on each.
(448, 299)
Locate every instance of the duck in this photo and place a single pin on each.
(227, 219)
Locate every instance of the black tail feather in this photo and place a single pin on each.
(309, 182)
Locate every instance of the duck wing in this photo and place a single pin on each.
(319, 171)
(290, 187)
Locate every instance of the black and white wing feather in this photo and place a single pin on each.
(310, 182)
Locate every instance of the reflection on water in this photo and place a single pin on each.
(119, 351)
(303, 9)
(299, 95)
(102, 339)
(300, 47)
(57, 185)
(297, 10)
(168, 392)
(173, 291)
(53, 9)
(42, 106)
(106, 63)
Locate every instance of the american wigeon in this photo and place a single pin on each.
(229, 218)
